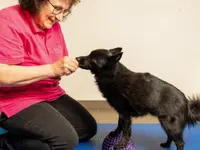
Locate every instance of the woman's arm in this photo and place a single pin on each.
(13, 75)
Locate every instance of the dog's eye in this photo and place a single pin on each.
(100, 63)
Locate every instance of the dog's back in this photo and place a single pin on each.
(140, 93)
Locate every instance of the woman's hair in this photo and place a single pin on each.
(33, 6)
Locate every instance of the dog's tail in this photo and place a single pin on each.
(194, 110)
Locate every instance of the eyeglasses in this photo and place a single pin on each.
(58, 10)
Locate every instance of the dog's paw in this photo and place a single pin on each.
(165, 145)
(119, 146)
(113, 134)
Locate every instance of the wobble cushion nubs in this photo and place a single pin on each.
(109, 142)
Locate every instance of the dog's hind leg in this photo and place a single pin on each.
(125, 123)
(178, 139)
(174, 130)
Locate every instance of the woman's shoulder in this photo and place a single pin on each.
(10, 11)
(13, 17)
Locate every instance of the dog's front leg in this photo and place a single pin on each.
(118, 130)
(125, 123)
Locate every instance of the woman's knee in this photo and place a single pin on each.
(65, 141)
(63, 136)
(80, 118)
(88, 130)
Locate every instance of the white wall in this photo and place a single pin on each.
(160, 37)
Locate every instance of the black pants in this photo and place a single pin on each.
(58, 125)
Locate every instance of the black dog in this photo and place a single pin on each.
(134, 94)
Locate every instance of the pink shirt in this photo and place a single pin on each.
(23, 43)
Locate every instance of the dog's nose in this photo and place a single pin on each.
(78, 59)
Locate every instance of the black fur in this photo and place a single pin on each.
(134, 94)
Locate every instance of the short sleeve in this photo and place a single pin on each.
(11, 44)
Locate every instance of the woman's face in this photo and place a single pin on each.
(51, 12)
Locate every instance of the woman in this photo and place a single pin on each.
(35, 110)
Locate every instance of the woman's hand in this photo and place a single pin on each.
(65, 66)
(14, 75)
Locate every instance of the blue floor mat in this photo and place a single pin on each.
(145, 137)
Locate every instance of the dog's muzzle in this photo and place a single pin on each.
(83, 62)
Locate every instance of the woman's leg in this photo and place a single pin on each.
(39, 127)
(83, 122)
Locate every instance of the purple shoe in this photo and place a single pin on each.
(109, 142)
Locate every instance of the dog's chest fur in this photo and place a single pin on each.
(111, 91)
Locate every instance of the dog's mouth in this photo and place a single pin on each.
(83, 62)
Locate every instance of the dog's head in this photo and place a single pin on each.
(100, 59)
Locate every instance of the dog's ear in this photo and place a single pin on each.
(116, 57)
(116, 50)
